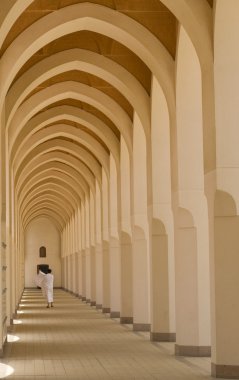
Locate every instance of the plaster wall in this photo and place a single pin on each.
(41, 232)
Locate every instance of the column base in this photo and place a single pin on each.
(225, 371)
(162, 337)
(106, 310)
(88, 300)
(126, 320)
(141, 326)
(83, 298)
(192, 350)
(115, 314)
(93, 303)
(98, 306)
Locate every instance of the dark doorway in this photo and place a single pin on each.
(43, 268)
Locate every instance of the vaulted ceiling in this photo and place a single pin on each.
(57, 111)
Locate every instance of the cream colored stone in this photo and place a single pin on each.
(139, 184)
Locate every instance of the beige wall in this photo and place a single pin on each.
(41, 232)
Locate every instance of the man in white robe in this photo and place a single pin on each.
(46, 281)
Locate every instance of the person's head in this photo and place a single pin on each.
(48, 270)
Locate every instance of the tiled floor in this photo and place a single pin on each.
(75, 341)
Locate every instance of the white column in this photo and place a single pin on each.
(225, 260)
(192, 233)
(105, 244)
(87, 251)
(98, 248)
(115, 259)
(162, 255)
(92, 251)
(141, 306)
(126, 314)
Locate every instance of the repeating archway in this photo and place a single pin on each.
(73, 152)
(72, 18)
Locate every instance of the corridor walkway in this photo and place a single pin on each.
(75, 341)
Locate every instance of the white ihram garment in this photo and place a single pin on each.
(39, 278)
(47, 285)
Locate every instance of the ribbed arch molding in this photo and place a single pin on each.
(64, 194)
(98, 19)
(68, 182)
(83, 60)
(59, 168)
(58, 222)
(70, 90)
(73, 114)
(37, 141)
(48, 209)
(51, 201)
(12, 10)
(196, 18)
(46, 185)
(62, 161)
(59, 144)
(55, 194)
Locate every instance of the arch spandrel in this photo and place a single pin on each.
(224, 204)
(138, 233)
(185, 218)
(158, 227)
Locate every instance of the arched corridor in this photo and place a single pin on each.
(120, 166)
(76, 341)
